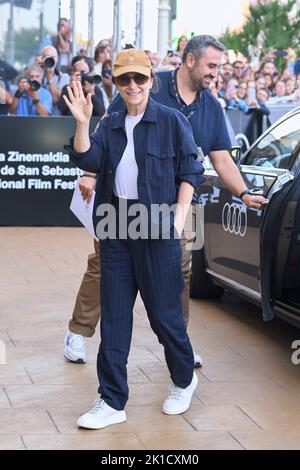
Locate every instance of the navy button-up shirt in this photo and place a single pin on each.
(165, 152)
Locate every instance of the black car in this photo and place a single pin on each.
(255, 253)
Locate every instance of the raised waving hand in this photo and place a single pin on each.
(80, 106)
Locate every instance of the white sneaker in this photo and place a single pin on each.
(75, 348)
(179, 399)
(198, 361)
(101, 415)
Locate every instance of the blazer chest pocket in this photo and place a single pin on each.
(161, 154)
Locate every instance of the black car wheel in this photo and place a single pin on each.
(201, 286)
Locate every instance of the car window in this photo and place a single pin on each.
(296, 163)
(276, 148)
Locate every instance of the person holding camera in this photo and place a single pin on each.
(63, 43)
(89, 83)
(53, 80)
(107, 85)
(31, 99)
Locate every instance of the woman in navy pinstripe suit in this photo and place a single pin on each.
(145, 155)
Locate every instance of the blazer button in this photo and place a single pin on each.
(110, 172)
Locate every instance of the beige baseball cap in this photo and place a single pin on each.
(132, 60)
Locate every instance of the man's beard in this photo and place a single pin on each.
(198, 83)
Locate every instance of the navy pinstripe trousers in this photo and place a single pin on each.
(152, 267)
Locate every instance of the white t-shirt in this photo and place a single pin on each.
(125, 185)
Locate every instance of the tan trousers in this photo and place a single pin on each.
(86, 313)
(187, 240)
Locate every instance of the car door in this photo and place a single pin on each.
(232, 231)
(284, 277)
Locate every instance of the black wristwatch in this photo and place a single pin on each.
(36, 101)
(252, 192)
(247, 191)
(88, 175)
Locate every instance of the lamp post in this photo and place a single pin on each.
(91, 42)
(117, 28)
(41, 21)
(73, 25)
(11, 35)
(139, 25)
(163, 27)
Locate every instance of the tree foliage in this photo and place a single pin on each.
(278, 22)
(27, 44)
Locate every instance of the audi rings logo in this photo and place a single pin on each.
(234, 219)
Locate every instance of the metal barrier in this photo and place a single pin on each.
(246, 127)
(278, 111)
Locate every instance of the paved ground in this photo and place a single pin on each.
(248, 394)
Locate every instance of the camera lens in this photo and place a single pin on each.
(97, 79)
(90, 78)
(49, 62)
(34, 85)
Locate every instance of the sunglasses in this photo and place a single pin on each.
(125, 79)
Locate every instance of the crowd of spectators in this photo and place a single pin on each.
(245, 86)
(38, 90)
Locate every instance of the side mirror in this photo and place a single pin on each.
(236, 154)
